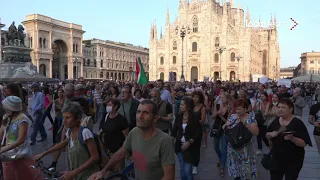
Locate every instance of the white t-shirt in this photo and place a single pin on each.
(86, 134)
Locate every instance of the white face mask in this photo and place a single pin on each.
(109, 109)
(275, 103)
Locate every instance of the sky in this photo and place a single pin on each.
(130, 20)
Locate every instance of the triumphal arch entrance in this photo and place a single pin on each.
(57, 46)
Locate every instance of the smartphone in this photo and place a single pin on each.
(289, 132)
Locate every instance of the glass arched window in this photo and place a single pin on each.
(88, 62)
(101, 63)
(174, 60)
(232, 57)
(194, 47)
(95, 63)
(216, 58)
(161, 60)
(174, 45)
(195, 25)
(84, 62)
(40, 42)
(44, 42)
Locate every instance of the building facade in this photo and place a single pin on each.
(216, 44)
(310, 63)
(56, 46)
(112, 60)
(287, 72)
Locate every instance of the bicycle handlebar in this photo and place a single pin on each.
(51, 172)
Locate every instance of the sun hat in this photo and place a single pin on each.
(12, 103)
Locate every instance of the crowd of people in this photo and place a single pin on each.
(154, 124)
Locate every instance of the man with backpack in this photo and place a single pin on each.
(82, 145)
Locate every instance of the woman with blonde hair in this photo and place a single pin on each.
(220, 114)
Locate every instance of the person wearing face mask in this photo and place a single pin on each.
(114, 129)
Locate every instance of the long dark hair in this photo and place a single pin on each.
(189, 102)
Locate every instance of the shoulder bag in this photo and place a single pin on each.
(20, 152)
(238, 136)
(216, 130)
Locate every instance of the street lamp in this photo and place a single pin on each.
(183, 32)
(75, 60)
(220, 50)
(238, 59)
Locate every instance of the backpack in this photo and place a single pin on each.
(103, 159)
(238, 136)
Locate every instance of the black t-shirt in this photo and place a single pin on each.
(169, 108)
(285, 151)
(315, 111)
(112, 129)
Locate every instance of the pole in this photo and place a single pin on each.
(220, 64)
(182, 76)
(76, 68)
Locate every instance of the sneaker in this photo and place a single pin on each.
(194, 170)
(259, 152)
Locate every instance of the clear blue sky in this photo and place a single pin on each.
(130, 20)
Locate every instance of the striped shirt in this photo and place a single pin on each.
(97, 96)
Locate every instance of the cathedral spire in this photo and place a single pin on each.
(168, 16)
(231, 3)
(248, 15)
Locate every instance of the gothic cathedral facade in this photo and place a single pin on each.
(209, 40)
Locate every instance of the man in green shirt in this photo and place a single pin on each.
(152, 150)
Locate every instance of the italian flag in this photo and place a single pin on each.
(141, 75)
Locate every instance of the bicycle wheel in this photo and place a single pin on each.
(117, 177)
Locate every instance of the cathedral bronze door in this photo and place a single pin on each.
(215, 76)
(232, 75)
(194, 74)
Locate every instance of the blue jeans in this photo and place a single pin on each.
(38, 126)
(220, 146)
(185, 168)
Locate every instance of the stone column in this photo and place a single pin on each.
(50, 68)
(81, 68)
(70, 67)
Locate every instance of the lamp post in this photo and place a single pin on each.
(220, 50)
(183, 32)
(75, 60)
(238, 59)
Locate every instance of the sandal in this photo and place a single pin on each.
(222, 172)
(218, 164)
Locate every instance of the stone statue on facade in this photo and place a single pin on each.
(21, 35)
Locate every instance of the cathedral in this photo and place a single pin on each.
(210, 40)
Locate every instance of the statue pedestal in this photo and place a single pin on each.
(17, 66)
(16, 54)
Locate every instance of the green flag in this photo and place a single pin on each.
(141, 75)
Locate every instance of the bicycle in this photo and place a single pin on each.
(126, 174)
(50, 174)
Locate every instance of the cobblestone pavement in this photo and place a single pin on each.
(207, 167)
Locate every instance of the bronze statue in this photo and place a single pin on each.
(21, 35)
(12, 34)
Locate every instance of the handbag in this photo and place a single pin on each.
(259, 116)
(19, 152)
(269, 162)
(216, 131)
(238, 136)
